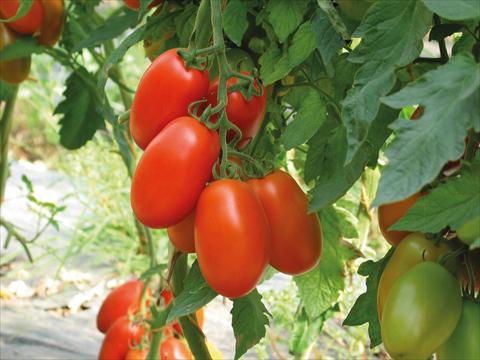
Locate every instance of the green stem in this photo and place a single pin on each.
(193, 334)
(5, 129)
(153, 353)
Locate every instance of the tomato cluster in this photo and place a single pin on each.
(235, 227)
(121, 319)
(44, 21)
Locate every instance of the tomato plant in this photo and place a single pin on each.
(296, 242)
(182, 234)
(247, 114)
(120, 338)
(172, 348)
(232, 237)
(412, 250)
(463, 343)
(355, 9)
(469, 231)
(52, 24)
(389, 214)
(120, 302)
(12, 71)
(172, 172)
(28, 24)
(412, 326)
(167, 84)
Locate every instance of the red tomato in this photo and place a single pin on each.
(232, 237)
(173, 171)
(167, 297)
(296, 243)
(118, 303)
(174, 349)
(136, 354)
(247, 115)
(417, 113)
(389, 214)
(118, 340)
(28, 24)
(181, 234)
(52, 24)
(163, 94)
(135, 4)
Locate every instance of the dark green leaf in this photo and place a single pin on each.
(185, 22)
(195, 294)
(328, 189)
(249, 318)
(235, 20)
(452, 91)
(454, 10)
(81, 117)
(334, 18)
(365, 308)
(285, 16)
(310, 116)
(383, 49)
(451, 203)
(21, 48)
(111, 30)
(319, 288)
(303, 43)
(328, 41)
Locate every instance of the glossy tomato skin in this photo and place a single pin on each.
(172, 348)
(414, 249)
(182, 234)
(173, 171)
(464, 343)
(136, 354)
(389, 214)
(232, 237)
(164, 93)
(135, 4)
(118, 303)
(296, 242)
(247, 115)
(119, 339)
(421, 311)
(12, 71)
(30, 23)
(52, 24)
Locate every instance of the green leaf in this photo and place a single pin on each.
(285, 16)
(334, 18)
(454, 10)
(319, 288)
(81, 117)
(365, 308)
(348, 223)
(310, 116)
(195, 294)
(451, 203)
(330, 188)
(235, 21)
(249, 318)
(450, 96)
(303, 44)
(21, 48)
(184, 23)
(328, 41)
(305, 332)
(383, 49)
(111, 30)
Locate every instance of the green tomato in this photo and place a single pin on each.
(421, 311)
(469, 231)
(354, 9)
(464, 343)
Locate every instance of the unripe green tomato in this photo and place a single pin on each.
(421, 312)
(464, 343)
(470, 231)
(355, 9)
(412, 250)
